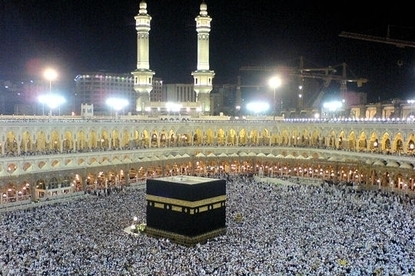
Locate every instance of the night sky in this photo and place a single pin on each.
(76, 36)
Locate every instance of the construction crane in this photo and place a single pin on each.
(282, 70)
(327, 74)
(386, 40)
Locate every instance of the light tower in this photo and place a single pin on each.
(143, 76)
(203, 76)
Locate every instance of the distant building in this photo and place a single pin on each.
(353, 98)
(157, 95)
(179, 92)
(183, 96)
(87, 110)
(169, 99)
(21, 98)
(96, 87)
(223, 99)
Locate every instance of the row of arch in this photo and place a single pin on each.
(64, 138)
(55, 141)
(115, 177)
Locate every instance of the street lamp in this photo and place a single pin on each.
(333, 107)
(51, 75)
(117, 104)
(52, 101)
(274, 83)
(257, 107)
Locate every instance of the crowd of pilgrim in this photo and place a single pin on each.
(282, 229)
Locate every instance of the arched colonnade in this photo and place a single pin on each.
(284, 148)
(287, 164)
(389, 139)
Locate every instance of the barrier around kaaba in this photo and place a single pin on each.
(186, 209)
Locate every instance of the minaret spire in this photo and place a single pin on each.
(203, 76)
(143, 76)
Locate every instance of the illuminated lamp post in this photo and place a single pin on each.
(50, 75)
(237, 110)
(117, 104)
(52, 101)
(274, 83)
(332, 108)
(257, 107)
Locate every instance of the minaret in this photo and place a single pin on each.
(143, 76)
(203, 76)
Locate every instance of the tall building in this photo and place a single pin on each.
(143, 76)
(96, 87)
(223, 99)
(156, 95)
(180, 92)
(203, 76)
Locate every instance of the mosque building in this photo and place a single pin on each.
(203, 76)
(52, 155)
(149, 95)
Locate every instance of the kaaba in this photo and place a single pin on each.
(186, 209)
